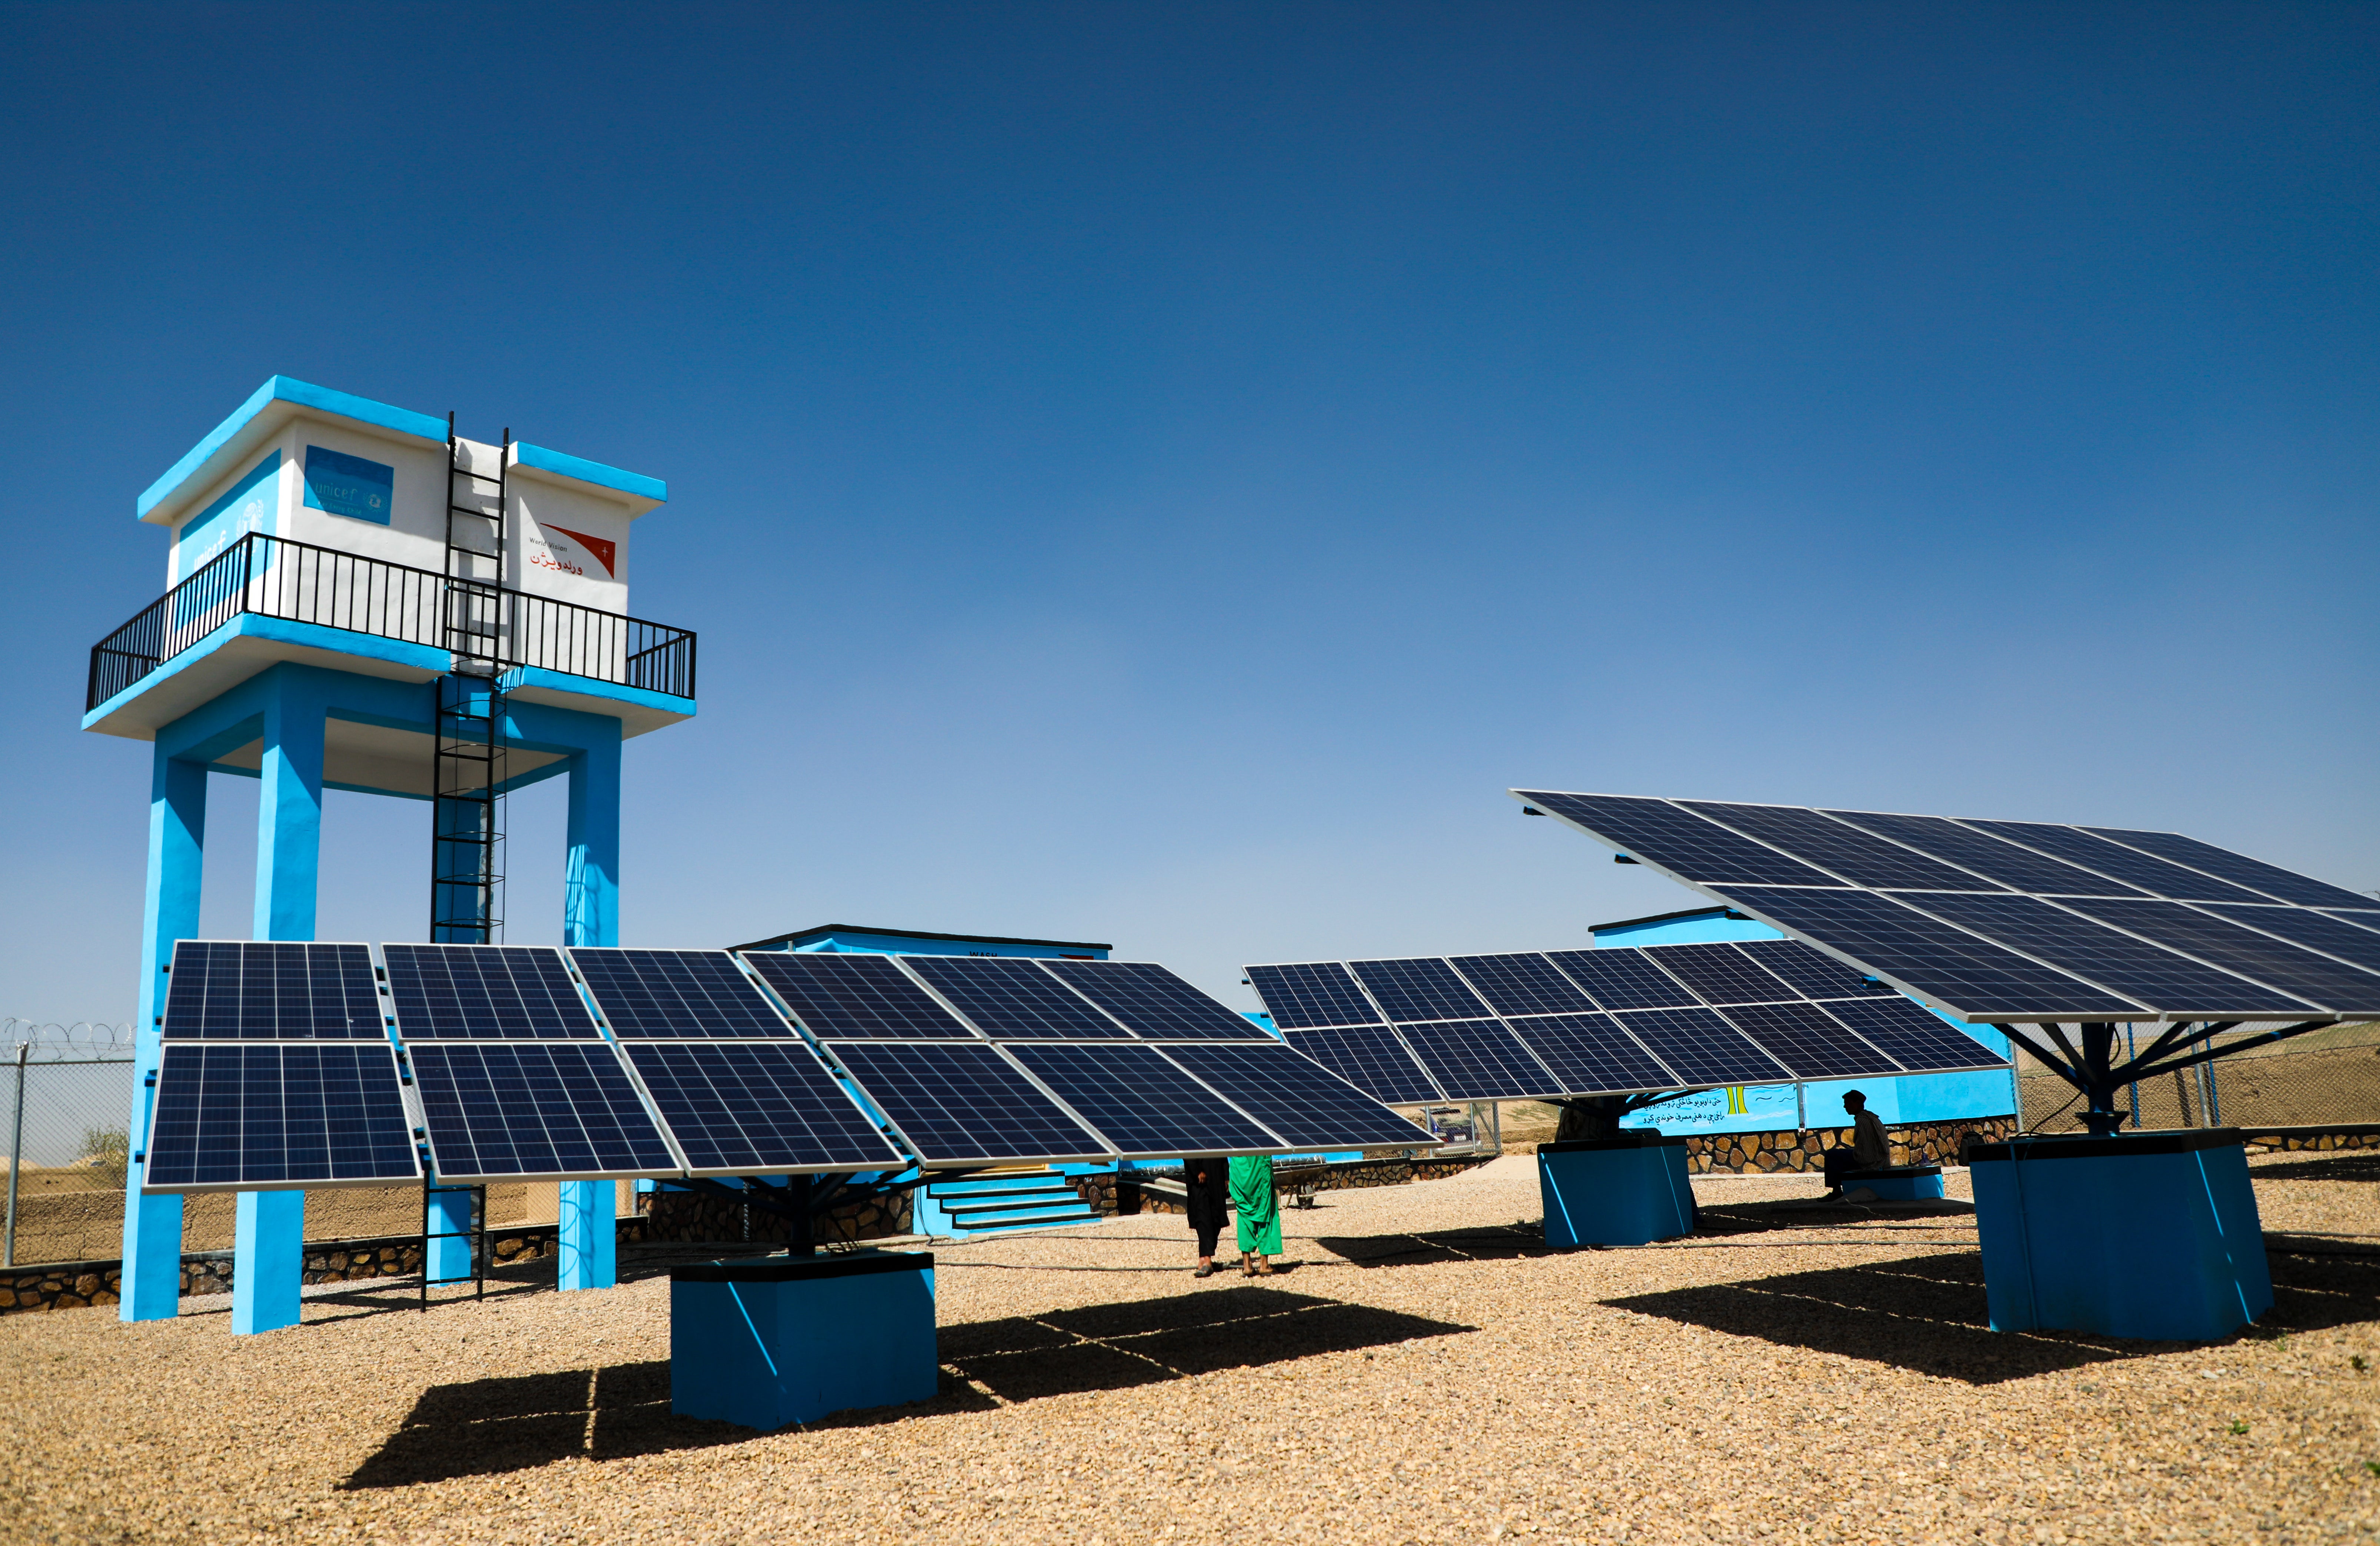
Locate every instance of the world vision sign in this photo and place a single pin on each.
(559, 550)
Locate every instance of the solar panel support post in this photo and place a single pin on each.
(151, 1285)
(454, 1224)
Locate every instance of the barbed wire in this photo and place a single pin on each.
(48, 1041)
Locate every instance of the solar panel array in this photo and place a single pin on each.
(988, 1059)
(2017, 920)
(276, 1070)
(298, 1064)
(1602, 1022)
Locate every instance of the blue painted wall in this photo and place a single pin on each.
(1767, 1108)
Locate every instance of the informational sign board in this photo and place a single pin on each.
(350, 486)
(246, 506)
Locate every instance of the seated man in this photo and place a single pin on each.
(1870, 1149)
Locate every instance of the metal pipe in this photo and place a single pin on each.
(16, 1155)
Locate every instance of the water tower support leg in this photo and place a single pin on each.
(591, 904)
(269, 1242)
(152, 1285)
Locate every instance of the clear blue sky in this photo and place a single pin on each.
(1157, 473)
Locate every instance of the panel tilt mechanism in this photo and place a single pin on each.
(467, 819)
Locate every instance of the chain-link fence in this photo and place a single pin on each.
(2328, 1076)
(66, 1095)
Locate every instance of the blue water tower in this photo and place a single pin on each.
(358, 598)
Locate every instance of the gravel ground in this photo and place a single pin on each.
(1422, 1372)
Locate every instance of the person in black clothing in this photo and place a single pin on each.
(1206, 1180)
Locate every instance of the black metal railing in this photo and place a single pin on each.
(274, 578)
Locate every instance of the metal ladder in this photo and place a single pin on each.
(468, 811)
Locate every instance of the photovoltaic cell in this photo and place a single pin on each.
(2270, 879)
(1720, 973)
(1813, 973)
(1370, 1058)
(2124, 964)
(548, 1110)
(1934, 958)
(1142, 1104)
(1996, 858)
(1480, 1060)
(466, 993)
(1810, 1041)
(1307, 1105)
(1590, 1054)
(954, 1103)
(2315, 977)
(1623, 980)
(1702, 1049)
(672, 994)
(1009, 997)
(1422, 988)
(1151, 1000)
(272, 991)
(1859, 857)
(855, 996)
(2145, 871)
(1523, 984)
(1679, 840)
(2312, 930)
(1911, 1036)
(256, 1115)
(742, 1109)
(1312, 993)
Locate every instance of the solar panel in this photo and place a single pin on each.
(2145, 871)
(1812, 974)
(1151, 1000)
(510, 1111)
(2270, 879)
(750, 1108)
(462, 993)
(1720, 973)
(1679, 840)
(1297, 1098)
(1422, 988)
(272, 991)
(1930, 958)
(668, 994)
(1591, 1054)
(1811, 1042)
(1911, 1036)
(2312, 930)
(1141, 1102)
(1702, 1049)
(1372, 1059)
(954, 1105)
(854, 995)
(1523, 984)
(2118, 962)
(1480, 1060)
(1312, 993)
(251, 1115)
(2273, 961)
(1006, 996)
(1859, 857)
(1993, 858)
(1623, 980)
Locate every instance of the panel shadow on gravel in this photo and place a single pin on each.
(2347, 1164)
(490, 1427)
(1504, 1243)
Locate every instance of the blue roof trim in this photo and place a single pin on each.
(591, 472)
(305, 394)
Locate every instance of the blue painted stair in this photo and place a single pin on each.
(1000, 1204)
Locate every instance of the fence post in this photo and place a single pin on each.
(16, 1155)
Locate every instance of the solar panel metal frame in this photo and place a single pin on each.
(2039, 996)
(585, 1029)
(1025, 1053)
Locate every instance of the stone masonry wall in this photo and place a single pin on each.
(1110, 1195)
(697, 1216)
(1920, 1143)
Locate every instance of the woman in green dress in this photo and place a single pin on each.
(1259, 1213)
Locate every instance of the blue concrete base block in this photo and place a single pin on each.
(784, 1340)
(1623, 1191)
(1901, 1183)
(2143, 1234)
(268, 1261)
